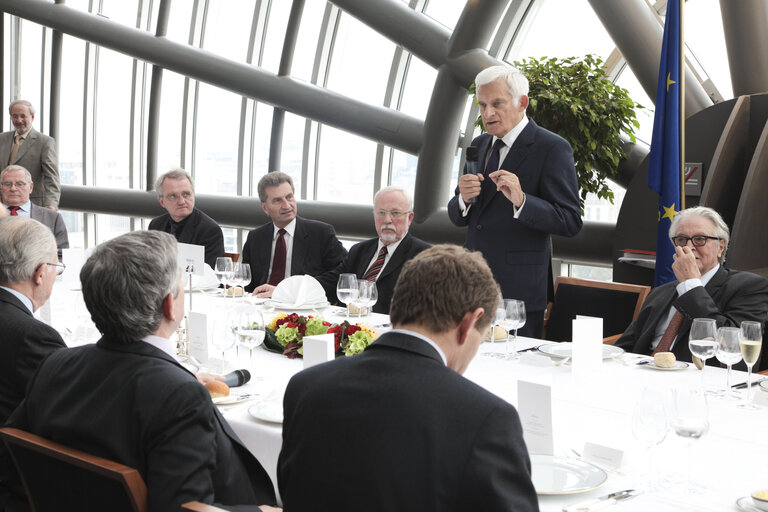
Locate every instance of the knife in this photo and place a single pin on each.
(743, 385)
(602, 502)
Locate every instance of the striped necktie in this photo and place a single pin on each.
(15, 148)
(374, 270)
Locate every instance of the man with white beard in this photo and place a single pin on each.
(381, 259)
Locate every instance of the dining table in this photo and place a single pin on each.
(716, 472)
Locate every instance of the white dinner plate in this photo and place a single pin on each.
(745, 504)
(565, 349)
(679, 365)
(562, 475)
(271, 411)
(233, 398)
(282, 306)
(763, 384)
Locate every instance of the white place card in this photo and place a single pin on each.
(587, 345)
(534, 405)
(198, 336)
(318, 349)
(191, 258)
(605, 456)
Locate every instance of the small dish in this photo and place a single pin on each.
(745, 504)
(760, 500)
(269, 411)
(233, 398)
(679, 365)
(763, 384)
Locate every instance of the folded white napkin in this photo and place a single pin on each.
(206, 281)
(299, 291)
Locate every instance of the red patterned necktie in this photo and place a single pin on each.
(374, 270)
(669, 335)
(278, 262)
(14, 210)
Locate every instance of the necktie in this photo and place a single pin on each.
(278, 262)
(494, 161)
(15, 148)
(374, 270)
(14, 210)
(670, 333)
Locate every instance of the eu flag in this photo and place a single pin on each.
(664, 168)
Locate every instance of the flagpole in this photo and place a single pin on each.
(682, 104)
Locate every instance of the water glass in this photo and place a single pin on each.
(728, 353)
(702, 341)
(367, 296)
(346, 290)
(650, 422)
(690, 421)
(224, 269)
(224, 335)
(750, 342)
(241, 275)
(513, 320)
(249, 326)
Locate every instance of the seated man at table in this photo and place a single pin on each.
(381, 259)
(127, 399)
(176, 193)
(398, 427)
(704, 289)
(289, 245)
(28, 251)
(17, 186)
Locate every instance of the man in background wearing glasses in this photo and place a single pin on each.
(704, 288)
(28, 269)
(381, 259)
(15, 189)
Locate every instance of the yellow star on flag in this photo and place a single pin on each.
(669, 213)
(669, 81)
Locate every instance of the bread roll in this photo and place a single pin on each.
(355, 310)
(238, 291)
(499, 333)
(217, 388)
(664, 359)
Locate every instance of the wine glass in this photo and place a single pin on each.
(513, 320)
(346, 290)
(249, 327)
(690, 421)
(750, 341)
(728, 353)
(367, 295)
(521, 317)
(224, 335)
(241, 275)
(223, 270)
(650, 422)
(498, 317)
(702, 341)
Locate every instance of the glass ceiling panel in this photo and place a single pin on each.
(170, 122)
(217, 135)
(445, 12)
(179, 21)
(279, 12)
(120, 11)
(704, 35)
(360, 62)
(306, 44)
(293, 144)
(419, 82)
(31, 47)
(70, 140)
(228, 28)
(346, 164)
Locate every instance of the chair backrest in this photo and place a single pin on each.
(196, 506)
(234, 255)
(618, 304)
(56, 477)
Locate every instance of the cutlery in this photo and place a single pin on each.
(743, 385)
(529, 349)
(602, 502)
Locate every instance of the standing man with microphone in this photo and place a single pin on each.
(527, 190)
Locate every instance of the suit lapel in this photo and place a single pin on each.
(300, 247)
(11, 300)
(189, 230)
(515, 156)
(396, 259)
(366, 255)
(5, 147)
(30, 140)
(34, 213)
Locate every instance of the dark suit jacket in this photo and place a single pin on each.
(395, 429)
(200, 229)
(730, 297)
(518, 250)
(316, 252)
(37, 154)
(360, 257)
(54, 221)
(25, 341)
(134, 404)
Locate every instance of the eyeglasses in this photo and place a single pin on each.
(18, 184)
(395, 215)
(60, 267)
(698, 240)
(175, 197)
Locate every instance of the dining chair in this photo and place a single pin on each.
(56, 477)
(618, 304)
(196, 506)
(234, 255)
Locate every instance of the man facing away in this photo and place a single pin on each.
(704, 289)
(398, 427)
(525, 192)
(289, 245)
(176, 193)
(16, 187)
(34, 151)
(381, 259)
(127, 399)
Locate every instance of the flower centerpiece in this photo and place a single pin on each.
(285, 333)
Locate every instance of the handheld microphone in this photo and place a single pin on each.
(237, 378)
(471, 154)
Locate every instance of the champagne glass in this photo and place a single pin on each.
(513, 320)
(241, 275)
(346, 290)
(224, 336)
(650, 422)
(223, 270)
(702, 341)
(750, 341)
(250, 327)
(728, 353)
(690, 421)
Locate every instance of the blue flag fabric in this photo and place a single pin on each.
(664, 160)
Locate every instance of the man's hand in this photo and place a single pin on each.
(264, 291)
(208, 377)
(51, 207)
(685, 266)
(267, 508)
(508, 184)
(469, 186)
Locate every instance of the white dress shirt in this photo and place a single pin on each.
(391, 248)
(164, 344)
(288, 238)
(424, 338)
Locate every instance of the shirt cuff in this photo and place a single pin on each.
(688, 285)
(518, 210)
(463, 208)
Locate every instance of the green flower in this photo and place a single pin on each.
(357, 343)
(315, 326)
(285, 334)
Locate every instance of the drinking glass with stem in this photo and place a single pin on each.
(690, 421)
(223, 270)
(498, 317)
(249, 324)
(514, 318)
(650, 423)
(728, 353)
(750, 341)
(702, 341)
(368, 294)
(346, 290)
(241, 275)
(224, 336)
